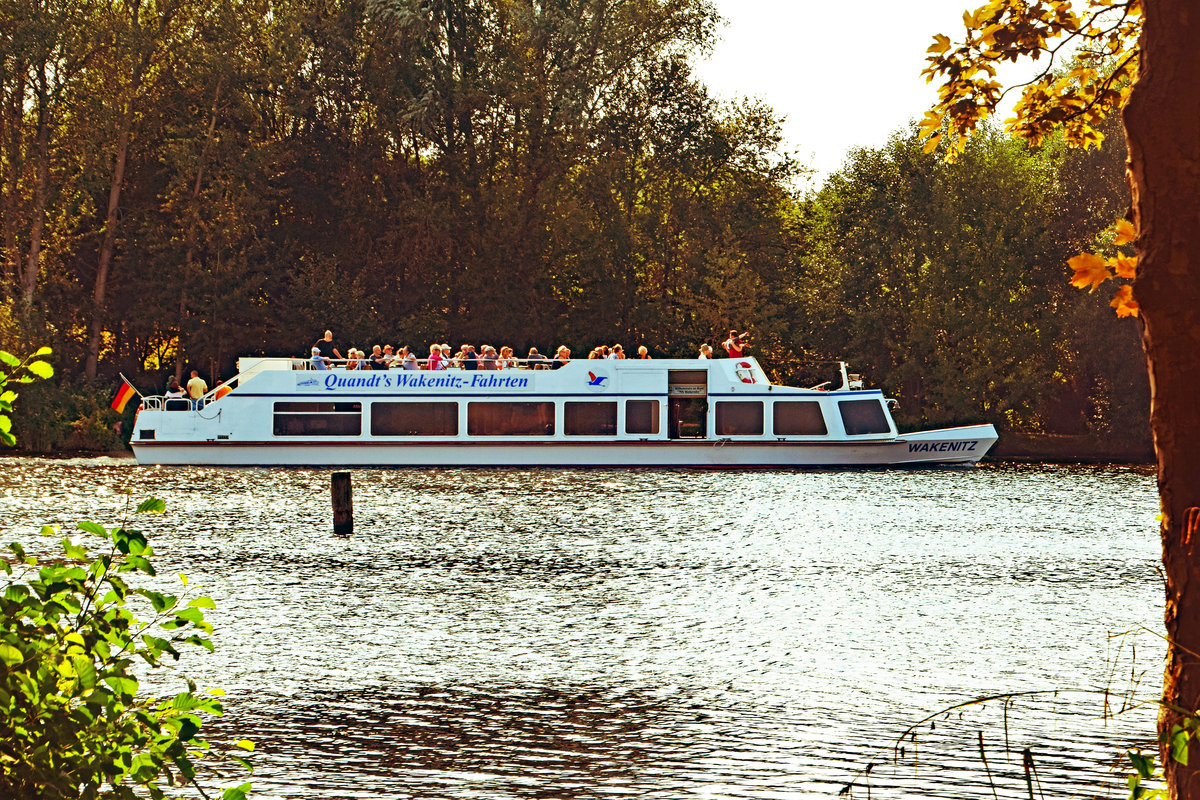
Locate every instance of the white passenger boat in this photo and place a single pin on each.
(589, 413)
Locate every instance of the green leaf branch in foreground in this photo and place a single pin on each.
(73, 723)
(17, 370)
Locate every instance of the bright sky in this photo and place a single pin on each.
(843, 74)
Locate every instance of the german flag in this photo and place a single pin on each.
(123, 395)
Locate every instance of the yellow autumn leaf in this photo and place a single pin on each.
(1090, 271)
(1124, 303)
(1123, 232)
(941, 43)
(930, 123)
(1125, 266)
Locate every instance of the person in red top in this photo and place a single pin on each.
(736, 344)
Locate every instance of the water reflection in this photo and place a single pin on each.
(656, 633)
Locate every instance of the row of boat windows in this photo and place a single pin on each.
(733, 418)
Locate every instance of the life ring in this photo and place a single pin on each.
(745, 372)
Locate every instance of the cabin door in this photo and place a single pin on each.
(687, 403)
(687, 418)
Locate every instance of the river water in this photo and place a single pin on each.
(655, 633)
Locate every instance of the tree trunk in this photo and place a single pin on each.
(33, 266)
(107, 246)
(14, 142)
(193, 232)
(1162, 125)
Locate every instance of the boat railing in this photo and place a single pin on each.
(423, 363)
(850, 381)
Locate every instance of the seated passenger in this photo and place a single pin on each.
(535, 360)
(352, 362)
(435, 357)
(705, 351)
(174, 390)
(488, 359)
(389, 357)
(470, 361)
(317, 361)
(410, 361)
(377, 360)
(561, 357)
(617, 351)
(508, 359)
(643, 352)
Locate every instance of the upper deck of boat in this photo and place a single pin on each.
(679, 377)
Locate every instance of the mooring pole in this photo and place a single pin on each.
(343, 505)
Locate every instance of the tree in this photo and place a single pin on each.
(1139, 58)
(944, 280)
(43, 54)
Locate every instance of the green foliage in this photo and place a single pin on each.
(945, 282)
(67, 415)
(73, 632)
(1147, 782)
(18, 371)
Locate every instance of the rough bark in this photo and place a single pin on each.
(1162, 124)
(108, 246)
(14, 142)
(33, 263)
(193, 232)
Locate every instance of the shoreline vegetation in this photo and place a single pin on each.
(407, 176)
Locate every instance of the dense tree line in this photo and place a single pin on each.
(185, 181)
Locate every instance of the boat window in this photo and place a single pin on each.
(590, 419)
(799, 418)
(863, 416)
(510, 419)
(318, 419)
(641, 416)
(414, 419)
(739, 419)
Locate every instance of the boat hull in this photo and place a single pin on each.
(963, 445)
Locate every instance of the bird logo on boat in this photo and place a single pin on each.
(596, 380)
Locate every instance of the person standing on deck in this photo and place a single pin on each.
(196, 388)
(326, 346)
(736, 344)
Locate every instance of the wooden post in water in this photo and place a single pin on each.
(343, 505)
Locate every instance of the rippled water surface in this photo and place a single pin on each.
(661, 634)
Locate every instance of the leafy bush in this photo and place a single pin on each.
(72, 722)
(72, 416)
(22, 371)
